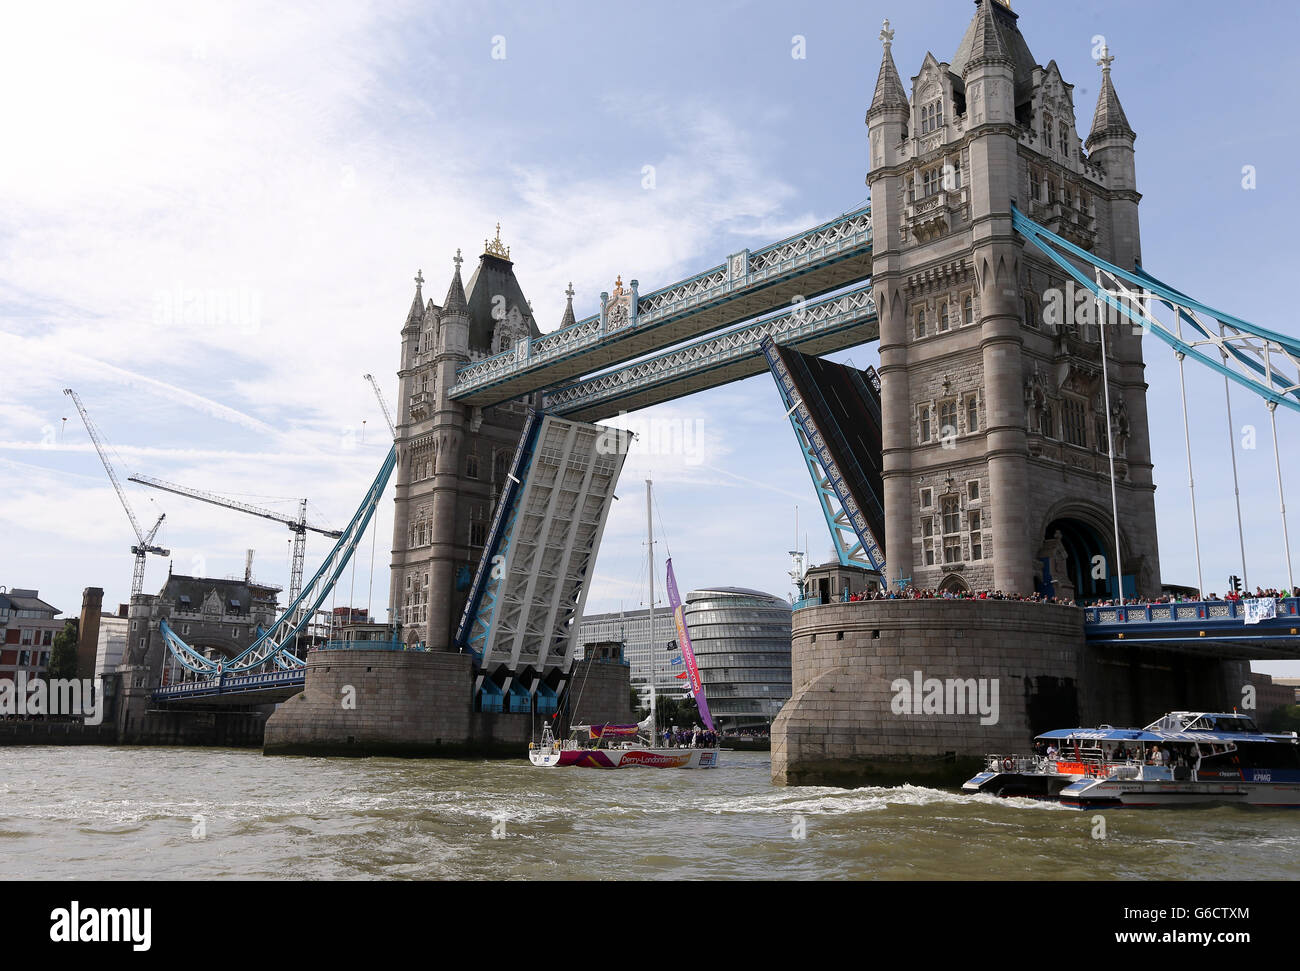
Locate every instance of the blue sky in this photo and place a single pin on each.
(294, 165)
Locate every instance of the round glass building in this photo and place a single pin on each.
(742, 646)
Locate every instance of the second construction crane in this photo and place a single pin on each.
(298, 526)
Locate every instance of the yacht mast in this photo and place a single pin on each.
(650, 547)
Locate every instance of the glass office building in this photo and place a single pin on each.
(632, 629)
(742, 646)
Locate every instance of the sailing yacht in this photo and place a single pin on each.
(616, 746)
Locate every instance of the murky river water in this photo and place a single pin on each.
(146, 813)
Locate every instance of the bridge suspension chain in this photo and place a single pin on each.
(273, 647)
(1262, 360)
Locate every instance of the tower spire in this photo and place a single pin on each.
(416, 313)
(568, 319)
(455, 302)
(890, 92)
(1109, 118)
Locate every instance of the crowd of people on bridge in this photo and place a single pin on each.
(1272, 593)
(916, 593)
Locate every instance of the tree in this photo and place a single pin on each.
(63, 657)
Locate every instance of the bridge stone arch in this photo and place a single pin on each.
(1073, 533)
(954, 583)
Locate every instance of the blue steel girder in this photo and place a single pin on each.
(817, 261)
(1264, 361)
(819, 327)
(272, 647)
(481, 607)
(854, 544)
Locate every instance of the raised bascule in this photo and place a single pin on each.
(1002, 444)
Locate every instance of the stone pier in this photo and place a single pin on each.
(847, 725)
(418, 703)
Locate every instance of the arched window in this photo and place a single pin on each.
(947, 418)
(968, 310)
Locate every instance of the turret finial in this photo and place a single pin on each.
(457, 259)
(495, 248)
(569, 292)
(1106, 60)
(419, 277)
(886, 35)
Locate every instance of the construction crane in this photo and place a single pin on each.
(144, 542)
(298, 527)
(388, 417)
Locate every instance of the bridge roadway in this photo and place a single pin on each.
(820, 327)
(237, 689)
(809, 264)
(1210, 627)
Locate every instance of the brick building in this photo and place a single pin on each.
(28, 626)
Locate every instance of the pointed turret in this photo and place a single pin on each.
(890, 92)
(568, 320)
(887, 118)
(985, 38)
(416, 313)
(1109, 119)
(455, 302)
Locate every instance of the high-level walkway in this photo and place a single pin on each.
(749, 284)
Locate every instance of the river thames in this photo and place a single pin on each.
(211, 814)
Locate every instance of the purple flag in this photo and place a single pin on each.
(684, 640)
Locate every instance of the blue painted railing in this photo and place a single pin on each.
(1193, 612)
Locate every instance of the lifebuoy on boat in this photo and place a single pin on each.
(1008, 765)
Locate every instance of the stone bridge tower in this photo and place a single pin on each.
(452, 459)
(996, 453)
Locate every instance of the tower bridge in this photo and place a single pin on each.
(1008, 450)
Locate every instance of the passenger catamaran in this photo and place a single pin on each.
(611, 746)
(1184, 758)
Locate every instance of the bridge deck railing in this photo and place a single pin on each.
(1199, 611)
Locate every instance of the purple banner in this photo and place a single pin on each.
(684, 642)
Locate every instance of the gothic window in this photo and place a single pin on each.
(1052, 195)
(968, 310)
(920, 322)
(976, 546)
(477, 534)
(973, 491)
(1035, 185)
(1031, 318)
(1073, 424)
(951, 530)
(931, 181)
(1045, 422)
(944, 321)
(947, 419)
(1065, 142)
(923, 413)
(1047, 130)
(972, 414)
(1103, 445)
(471, 466)
(926, 498)
(932, 117)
